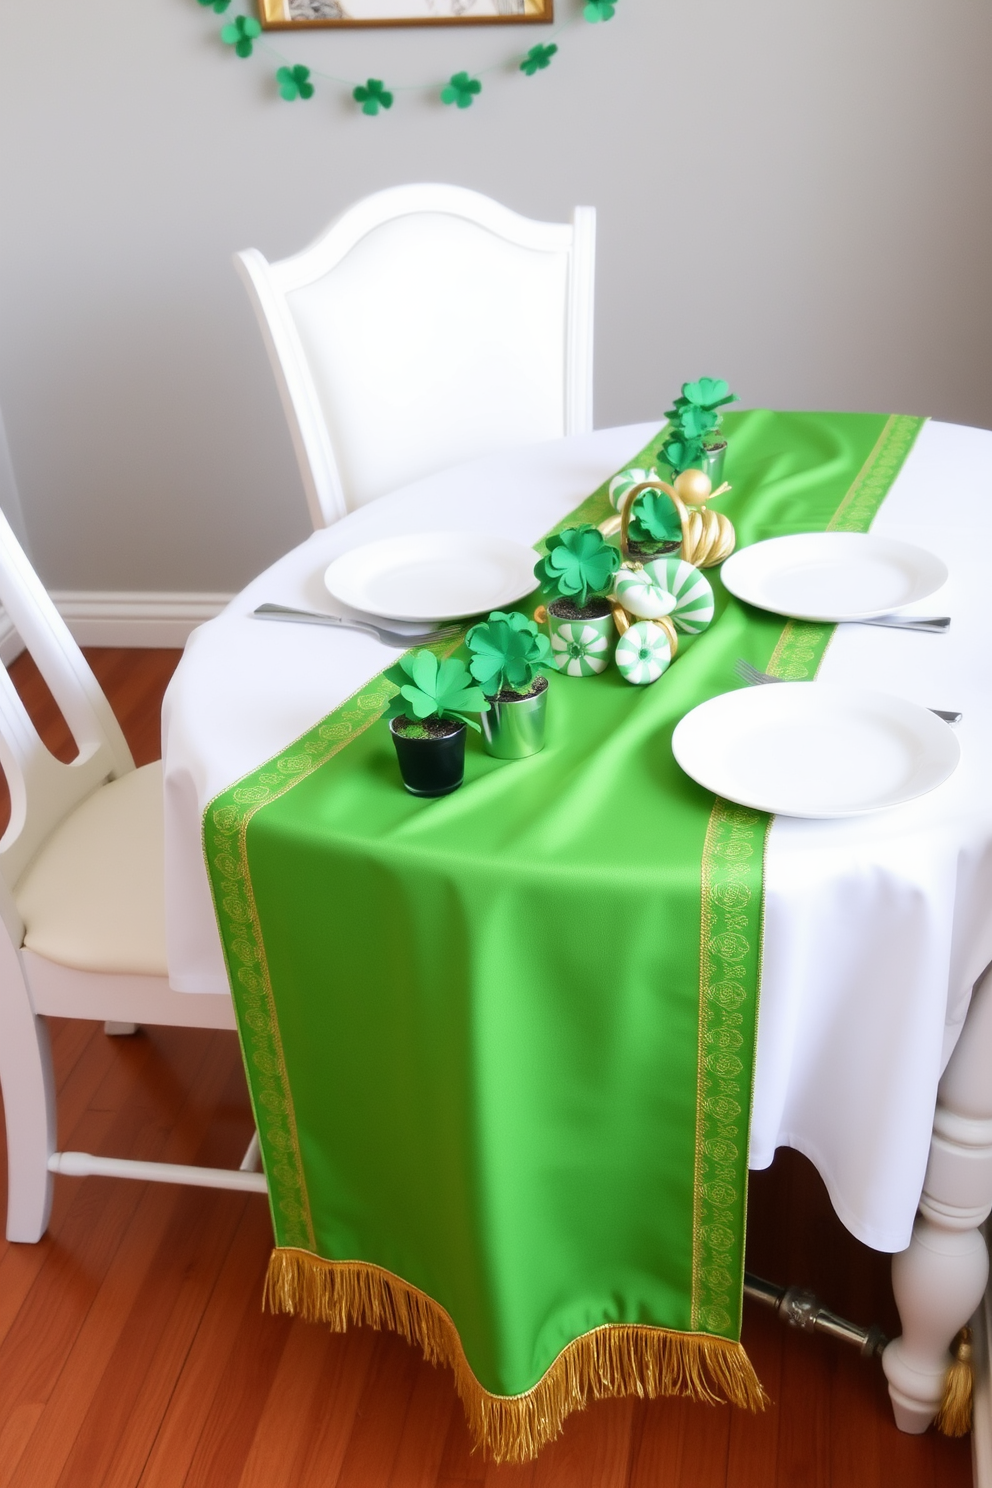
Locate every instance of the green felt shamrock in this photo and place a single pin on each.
(429, 688)
(600, 10)
(240, 33)
(508, 651)
(218, 5)
(294, 82)
(461, 90)
(373, 97)
(537, 58)
(579, 564)
(654, 519)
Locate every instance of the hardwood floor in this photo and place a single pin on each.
(133, 1348)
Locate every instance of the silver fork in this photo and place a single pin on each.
(381, 632)
(754, 678)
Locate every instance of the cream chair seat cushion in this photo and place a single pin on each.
(94, 896)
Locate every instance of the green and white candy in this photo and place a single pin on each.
(667, 586)
(621, 485)
(579, 650)
(693, 609)
(640, 593)
(643, 653)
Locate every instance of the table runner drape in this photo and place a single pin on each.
(500, 1045)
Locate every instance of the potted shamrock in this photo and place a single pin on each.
(693, 441)
(508, 655)
(578, 567)
(428, 718)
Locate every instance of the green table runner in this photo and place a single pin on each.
(500, 1044)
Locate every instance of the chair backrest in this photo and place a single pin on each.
(43, 790)
(428, 325)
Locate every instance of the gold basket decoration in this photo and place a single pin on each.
(708, 537)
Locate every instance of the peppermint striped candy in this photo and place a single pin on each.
(579, 650)
(643, 653)
(693, 608)
(623, 483)
(639, 592)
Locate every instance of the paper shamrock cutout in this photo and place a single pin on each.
(461, 90)
(537, 58)
(429, 688)
(294, 82)
(694, 414)
(373, 97)
(240, 33)
(600, 10)
(218, 5)
(580, 563)
(708, 392)
(654, 519)
(508, 650)
(682, 454)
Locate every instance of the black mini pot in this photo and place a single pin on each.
(433, 765)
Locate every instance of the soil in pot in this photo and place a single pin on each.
(645, 551)
(565, 609)
(431, 754)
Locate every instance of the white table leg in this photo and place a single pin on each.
(940, 1279)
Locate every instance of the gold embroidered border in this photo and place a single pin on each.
(873, 481)
(729, 977)
(730, 945)
(801, 645)
(225, 833)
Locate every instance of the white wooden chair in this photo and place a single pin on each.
(81, 906)
(426, 326)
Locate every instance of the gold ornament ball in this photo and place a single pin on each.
(693, 487)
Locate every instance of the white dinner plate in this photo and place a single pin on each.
(433, 575)
(832, 575)
(814, 749)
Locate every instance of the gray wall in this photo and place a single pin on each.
(792, 195)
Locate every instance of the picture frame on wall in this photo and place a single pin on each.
(289, 15)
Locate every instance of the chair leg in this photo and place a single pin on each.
(29, 1105)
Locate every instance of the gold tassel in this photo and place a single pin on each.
(619, 1359)
(954, 1416)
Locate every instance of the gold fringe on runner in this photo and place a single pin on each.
(954, 1416)
(617, 1359)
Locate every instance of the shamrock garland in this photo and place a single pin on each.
(462, 88)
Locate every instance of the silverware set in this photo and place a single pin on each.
(751, 675)
(338, 622)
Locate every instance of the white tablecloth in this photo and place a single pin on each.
(876, 927)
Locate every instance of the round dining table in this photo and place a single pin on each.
(877, 927)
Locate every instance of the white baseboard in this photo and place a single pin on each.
(120, 618)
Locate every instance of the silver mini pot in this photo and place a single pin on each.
(713, 462)
(514, 728)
